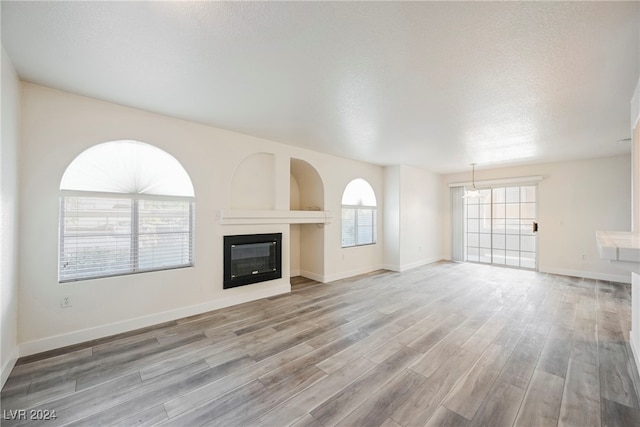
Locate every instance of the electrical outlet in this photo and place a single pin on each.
(65, 302)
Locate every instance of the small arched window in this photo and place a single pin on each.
(358, 214)
(125, 207)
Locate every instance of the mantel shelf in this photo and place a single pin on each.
(236, 216)
(620, 248)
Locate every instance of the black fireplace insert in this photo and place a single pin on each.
(252, 258)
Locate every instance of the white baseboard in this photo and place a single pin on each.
(312, 276)
(351, 273)
(621, 278)
(411, 265)
(76, 337)
(8, 366)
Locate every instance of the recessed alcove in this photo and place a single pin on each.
(306, 240)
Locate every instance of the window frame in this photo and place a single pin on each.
(374, 225)
(134, 252)
(357, 209)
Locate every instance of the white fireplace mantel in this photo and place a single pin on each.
(620, 248)
(237, 216)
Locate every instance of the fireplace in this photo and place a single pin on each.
(252, 258)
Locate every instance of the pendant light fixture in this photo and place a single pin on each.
(472, 193)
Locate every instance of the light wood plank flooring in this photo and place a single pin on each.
(445, 344)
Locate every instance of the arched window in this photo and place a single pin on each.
(125, 207)
(358, 214)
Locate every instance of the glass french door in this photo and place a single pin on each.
(500, 226)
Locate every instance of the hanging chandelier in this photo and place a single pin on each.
(473, 192)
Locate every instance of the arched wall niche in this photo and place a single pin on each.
(309, 186)
(253, 183)
(306, 240)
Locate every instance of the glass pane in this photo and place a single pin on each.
(513, 258)
(528, 193)
(528, 210)
(365, 221)
(473, 239)
(485, 255)
(359, 192)
(499, 241)
(472, 254)
(472, 225)
(499, 210)
(527, 260)
(485, 240)
(472, 201)
(499, 256)
(513, 242)
(348, 227)
(512, 226)
(95, 237)
(512, 194)
(499, 226)
(526, 227)
(512, 210)
(485, 225)
(164, 229)
(486, 196)
(528, 243)
(499, 195)
(473, 211)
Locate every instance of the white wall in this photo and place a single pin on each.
(413, 218)
(635, 154)
(294, 229)
(9, 216)
(575, 199)
(392, 218)
(57, 126)
(345, 262)
(253, 184)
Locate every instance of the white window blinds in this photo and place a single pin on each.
(125, 207)
(359, 225)
(101, 236)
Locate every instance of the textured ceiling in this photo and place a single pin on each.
(430, 84)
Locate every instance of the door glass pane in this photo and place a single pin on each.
(512, 210)
(528, 259)
(528, 210)
(513, 242)
(499, 256)
(485, 240)
(512, 194)
(528, 243)
(472, 211)
(472, 254)
(528, 193)
(512, 226)
(526, 227)
(486, 196)
(499, 241)
(513, 258)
